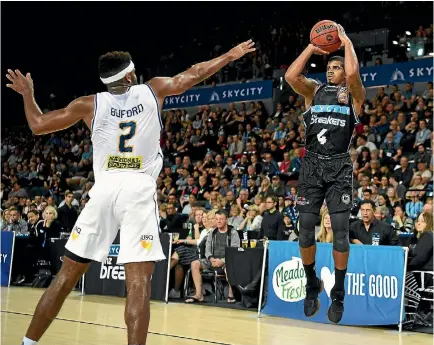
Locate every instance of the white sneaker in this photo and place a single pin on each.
(174, 294)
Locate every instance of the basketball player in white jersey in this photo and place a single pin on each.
(125, 123)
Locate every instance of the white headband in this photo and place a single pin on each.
(119, 75)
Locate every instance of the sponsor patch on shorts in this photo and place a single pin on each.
(302, 201)
(346, 199)
(119, 162)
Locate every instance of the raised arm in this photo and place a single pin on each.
(352, 72)
(80, 109)
(302, 85)
(180, 83)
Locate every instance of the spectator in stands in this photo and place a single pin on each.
(400, 222)
(413, 207)
(325, 234)
(33, 219)
(381, 213)
(399, 191)
(422, 155)
(223, 235)
(370, 230)
(404, 174)
(290, 233)
(18, 191)
(417, 284)
(48, 227)
(422, 134)
(16, 223)
(253, 219)
(186, 252)
(172, 221)
(362, 141)
(235, 218)
(276, 188)
(423, 171)
(68, 214)
(272, 227)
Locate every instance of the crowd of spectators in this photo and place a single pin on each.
(234, 159)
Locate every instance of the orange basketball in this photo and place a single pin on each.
(324, 35)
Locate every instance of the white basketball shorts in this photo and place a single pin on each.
(125, 201)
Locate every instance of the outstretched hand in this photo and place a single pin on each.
(241, 50)
(20, 83)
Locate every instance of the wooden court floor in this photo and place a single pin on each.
(92, 320)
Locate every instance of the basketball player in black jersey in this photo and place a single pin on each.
(326, 170)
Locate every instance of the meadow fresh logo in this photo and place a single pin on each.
(289, 280)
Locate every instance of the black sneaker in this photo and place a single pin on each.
(311, 302)
(336, 309)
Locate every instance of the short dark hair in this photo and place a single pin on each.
(338, 58)
(113, 62)
(222, 212)
(14, 209)
(35, 212)
(364, 137)
(368, 190)
(370, 202)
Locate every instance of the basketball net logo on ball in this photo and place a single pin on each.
(324, 35)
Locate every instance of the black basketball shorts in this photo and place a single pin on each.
(329, 178)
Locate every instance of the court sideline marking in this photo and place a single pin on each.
(120, 327)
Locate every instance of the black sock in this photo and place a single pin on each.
(310, 273)
(339, 279)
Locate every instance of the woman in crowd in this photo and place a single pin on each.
(383, 200)
(253, 219)
(235, 218)
(325, 234)
(393, 197)
(420, 265)
(400, 221)
(187, 251)
(384, 185)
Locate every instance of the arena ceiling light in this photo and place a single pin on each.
(395, 43)
(312, 65)
(408, 33)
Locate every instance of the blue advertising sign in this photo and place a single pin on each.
(373, 284)
(396, 73)
(6, 255)
(221, 94)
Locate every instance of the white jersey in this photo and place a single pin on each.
(126, 133)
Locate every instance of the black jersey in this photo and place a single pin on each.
(330, 121)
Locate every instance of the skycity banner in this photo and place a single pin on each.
(221, 94)
(373, 285)
(396, 73)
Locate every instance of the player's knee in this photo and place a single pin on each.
(341, 242)
(306, 236)
(340, 225)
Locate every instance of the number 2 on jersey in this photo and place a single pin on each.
(320, 136)
(131, 127)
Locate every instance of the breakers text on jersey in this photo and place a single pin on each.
(327, 120)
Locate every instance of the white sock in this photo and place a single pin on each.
(27, 341)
